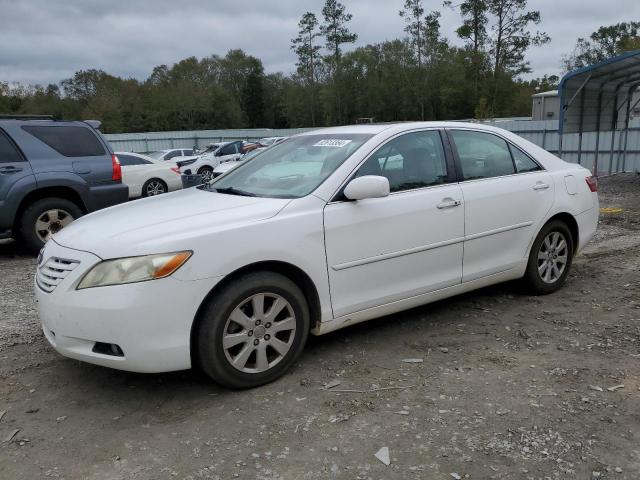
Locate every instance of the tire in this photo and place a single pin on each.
(221, 340)
(206, 173)
(37, 222)
(154, 185)
(546, 271)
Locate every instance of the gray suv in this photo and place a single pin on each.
(52, 172)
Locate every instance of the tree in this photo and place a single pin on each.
(336, 34)
(606, 42)
(304, 45)
(425, 42)
(474, 31)
(511, 38)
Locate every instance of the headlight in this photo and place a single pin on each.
(133, 269)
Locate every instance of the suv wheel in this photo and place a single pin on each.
(45, 217)
(252, 331)
(550, 259)
(206, 173)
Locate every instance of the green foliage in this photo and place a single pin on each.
(606, 42)
(418, 77)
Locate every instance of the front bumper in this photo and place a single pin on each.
(150, 321)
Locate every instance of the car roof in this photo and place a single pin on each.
(376, 128)
(44, 122)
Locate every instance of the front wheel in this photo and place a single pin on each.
(44, 218)
(550, 258)
(252, 331)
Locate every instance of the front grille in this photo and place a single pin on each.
(53, 271)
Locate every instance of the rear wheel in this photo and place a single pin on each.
(44, 218)
(550, 258)
(206, 173)
(253, 330)
(153, 187)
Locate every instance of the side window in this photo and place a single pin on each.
(229, 149)
(482, 155)
(523, 162)
(126, 160)
(413, 160)
(8, 152)
(129, 160)
(170, 155)
(68, 141)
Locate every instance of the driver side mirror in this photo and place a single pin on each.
(368, 186)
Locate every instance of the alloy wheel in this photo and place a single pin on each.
(52, 221)
(259, 332)
(206, 174)
(552, 257)
(155, 187)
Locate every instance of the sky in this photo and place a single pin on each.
(45, 41)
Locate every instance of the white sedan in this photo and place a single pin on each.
(325, 230)
(147, 177)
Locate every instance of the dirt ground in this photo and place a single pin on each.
(509, 387)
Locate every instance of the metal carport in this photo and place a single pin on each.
(598, 98)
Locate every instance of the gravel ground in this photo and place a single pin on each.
(505, 386)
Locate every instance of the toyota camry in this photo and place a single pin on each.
(324, 230)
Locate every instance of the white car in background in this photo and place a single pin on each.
(231, 164)
(269, 141)
(147, 177)
(205, 164)
(171, 154)
(330, 228)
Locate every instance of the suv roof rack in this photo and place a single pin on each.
(26, 117)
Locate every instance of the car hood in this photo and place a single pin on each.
(164, 223)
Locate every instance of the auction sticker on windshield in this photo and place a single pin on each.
(332, 142)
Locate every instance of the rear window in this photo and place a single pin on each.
(68, 141)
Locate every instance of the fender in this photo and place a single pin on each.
(18, 191)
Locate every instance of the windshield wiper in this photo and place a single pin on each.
(234, 191)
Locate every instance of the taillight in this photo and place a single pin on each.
(592, 183)
(175, 170)
(116, 174)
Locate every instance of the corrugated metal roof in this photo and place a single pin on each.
(599, 97)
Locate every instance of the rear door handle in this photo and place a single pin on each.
(9, 170)
(541, 186)
(448, 203)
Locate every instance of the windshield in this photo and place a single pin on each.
(291, 169)
(157, 155)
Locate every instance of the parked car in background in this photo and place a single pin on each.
(51, 173)
(319, 232)
(205, 164)
(231, 164)
(171, 154)
(269, 141)
(147, 177)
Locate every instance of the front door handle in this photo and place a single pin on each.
(9, 170)
(540, 186)
(449, 203)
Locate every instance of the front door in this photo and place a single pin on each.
(383, 250)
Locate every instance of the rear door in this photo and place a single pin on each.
(506, 196)
(14, 171)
